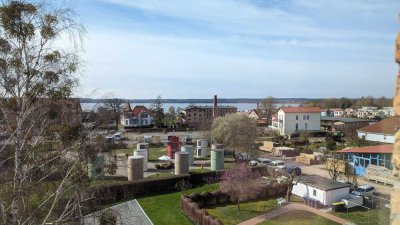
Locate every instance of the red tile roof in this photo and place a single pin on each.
(140, 108)
(301, 109)
(386, 126)
(370, 149)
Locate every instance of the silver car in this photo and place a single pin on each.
(364, 190)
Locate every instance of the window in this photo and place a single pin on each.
(306, 126)
(297, 117)
(314, 192)
(308, 117)
(297, 127)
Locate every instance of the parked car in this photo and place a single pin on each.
(364, 190)
(253, 163)
(264, 161)
(117, 136)
(278, 165)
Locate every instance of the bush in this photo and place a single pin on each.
(108, 217)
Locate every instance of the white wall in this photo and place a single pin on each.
(377, 137)
(337, 195)
(325, 197)
(303, 190)
(289, 122)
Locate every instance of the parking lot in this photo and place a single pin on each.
(382, 190)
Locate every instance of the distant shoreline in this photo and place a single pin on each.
(221, 100)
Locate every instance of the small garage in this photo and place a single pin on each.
(322, 189)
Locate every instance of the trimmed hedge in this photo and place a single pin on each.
(113, 193)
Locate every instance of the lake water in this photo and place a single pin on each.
(240, 106)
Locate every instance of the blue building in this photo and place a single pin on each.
(380, 155)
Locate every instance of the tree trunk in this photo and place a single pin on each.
(238, 204)
(18, 173)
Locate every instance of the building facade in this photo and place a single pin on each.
(382, 131)
(360, 158)
(291, 120)
(140, 116)
(348, 126)
(198, 116)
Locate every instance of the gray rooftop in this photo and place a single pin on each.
(322, 183)
(344, 119)
(127, 213)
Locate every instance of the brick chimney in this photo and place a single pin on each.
(215, 104)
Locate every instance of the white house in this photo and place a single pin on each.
(322, 189)
(382, 131)
(338, 112)
(140, 116)
(290, 120)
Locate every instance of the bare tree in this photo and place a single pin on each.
(267, 107)
(116, 107)
(240, 183)
(335, 166)
(294, 174)
(44, 157)
(236, 131)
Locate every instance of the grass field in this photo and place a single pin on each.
(154, 153)
(366, 217)
(230, 215)
(299, 217)
(165, 208)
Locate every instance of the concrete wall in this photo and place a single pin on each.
(377, 137)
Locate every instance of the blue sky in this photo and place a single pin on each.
(238, 48)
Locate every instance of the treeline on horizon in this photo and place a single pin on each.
(344, 103)
(210, 100)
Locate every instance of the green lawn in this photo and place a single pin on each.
(367, 217)
(299, 217)
(165, 208)
(154, 153)
(229, 214)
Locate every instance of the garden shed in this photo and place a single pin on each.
(322, 189)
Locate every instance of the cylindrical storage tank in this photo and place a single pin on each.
(144, 153)
(173, 146)
(217, 157)
(135, 168)
(202, 148)
(217, 146)
(96, 167)
(181, 163)
(144, 146)
(189, 149)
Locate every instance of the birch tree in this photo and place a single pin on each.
(43, 157)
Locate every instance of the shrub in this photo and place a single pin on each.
(108, 217)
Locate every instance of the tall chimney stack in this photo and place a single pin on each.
(215, 111)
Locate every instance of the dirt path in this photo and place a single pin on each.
(290, 207)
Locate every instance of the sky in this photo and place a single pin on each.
(238, 48)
